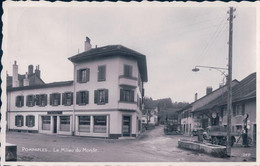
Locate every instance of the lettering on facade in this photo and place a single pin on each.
(54, 112)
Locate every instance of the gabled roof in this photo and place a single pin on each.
(32, 80)
(246, 89)
(113, 50)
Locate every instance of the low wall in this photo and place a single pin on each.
(214, 150)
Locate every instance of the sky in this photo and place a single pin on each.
(174, 40)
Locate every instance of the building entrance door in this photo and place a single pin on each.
(126, 125)
(54, 124)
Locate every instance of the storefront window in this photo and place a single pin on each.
(46, 122)
(64, 123)
(84, 123)
(100, 123)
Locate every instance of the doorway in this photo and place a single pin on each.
(126, 125)
(54, 124)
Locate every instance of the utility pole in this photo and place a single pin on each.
(229, 82)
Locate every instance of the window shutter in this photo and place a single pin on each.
(51, 99)
(16, 120)
(58, 98)
(63, 98)
(243, 109)
(37, 99)
(22, 120)
(88, 74)
(125, 70)
(22, 98)
(78, 97)
(87, 97)
(104, 73)
(33, 100)
(72, 97)
(121, 95)
(96, 96)
(45, 99)
(106, 95)
(234, 110)
(16, 101)
(132, 98)
(33, 120)
(27, 121)
(130, 71)
(78, 75)
(27, 100)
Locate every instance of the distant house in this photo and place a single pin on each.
(150, 113)
(243, 102)
(29, 79)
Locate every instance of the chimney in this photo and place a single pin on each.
(196, 96)
(208, 90)
(30, 69)
(87, 44)
(26, 80)
(15, 81)
(37, 71)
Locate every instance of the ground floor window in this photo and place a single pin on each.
(84, 123)
(30, 121)
(19, 120)
(64, 123)
(46, 122)
(100, 124)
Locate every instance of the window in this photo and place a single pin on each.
(55, 99)
(67, 98)
(101, 96)
(101, 73)
(30, 121)
(19, 120)
(19, 101)
(46, 122)
(238, 128)
(64, 123)
(82, 97)
(41, 100)
(239, 109)
(84, 123)
(100, 123)
(30, 100)
(83, 75)
(126, 95)
(128, 70)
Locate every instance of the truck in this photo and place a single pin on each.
(218, 135)
(171, 127)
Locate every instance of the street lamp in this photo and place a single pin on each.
(229, 98)
(229, 79)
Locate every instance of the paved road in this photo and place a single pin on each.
(152, 146)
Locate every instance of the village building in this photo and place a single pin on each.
(188, 121)
(103, 100)
(243, 106)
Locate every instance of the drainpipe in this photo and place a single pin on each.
(74, 101)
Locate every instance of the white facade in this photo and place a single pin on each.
(116, 116)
